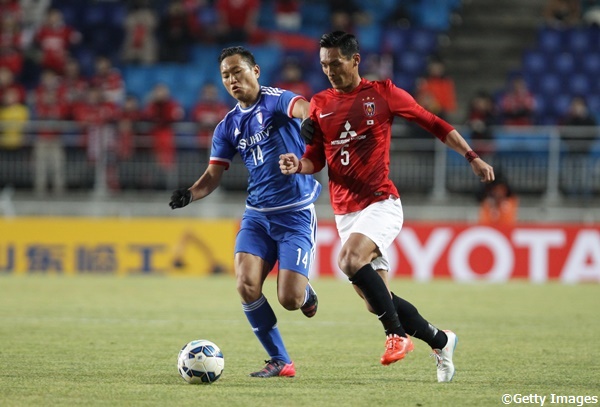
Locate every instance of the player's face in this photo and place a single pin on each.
(342, 72)
(240, 79)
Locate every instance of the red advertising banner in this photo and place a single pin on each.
(464, 252)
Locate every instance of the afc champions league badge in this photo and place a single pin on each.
(369, 108)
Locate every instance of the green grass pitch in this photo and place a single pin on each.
(113, 341)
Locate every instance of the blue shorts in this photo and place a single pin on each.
(286, 237)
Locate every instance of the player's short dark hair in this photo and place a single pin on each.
(243, 52)
(347, 43)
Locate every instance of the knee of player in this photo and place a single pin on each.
(247, 290)
(290, 302)
(350, 261)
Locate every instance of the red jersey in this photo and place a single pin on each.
(353, 136)
(112, 85)
(207, 115)
(237, 12)
(54, 43)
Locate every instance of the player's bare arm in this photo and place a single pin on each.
(300, 109)
(289, 164)
(208, 182)
(482, 169)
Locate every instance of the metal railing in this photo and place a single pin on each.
(548, 162)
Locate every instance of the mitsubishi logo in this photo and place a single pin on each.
(347, 126)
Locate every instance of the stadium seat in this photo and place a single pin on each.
(405, 81)
(369, 37)
(563, 63)
(578, 39)
(205, 55)
(580, 84)
(550, 40)
(395, 40)
(550, 84)
(315, 14)
(534, 61)
(590, 63)
(423, 40)
(410, 62)
(559, 104)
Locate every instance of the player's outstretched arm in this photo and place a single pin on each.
(207, 183)
(290, 164)
(483, 170)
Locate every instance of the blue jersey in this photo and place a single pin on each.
(260, 134)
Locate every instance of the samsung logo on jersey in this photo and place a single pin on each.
(255, 139)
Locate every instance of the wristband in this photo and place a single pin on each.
(298, 171)
(471, 155)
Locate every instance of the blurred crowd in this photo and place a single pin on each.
(63, 60)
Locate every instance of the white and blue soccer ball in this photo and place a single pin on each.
(200, 362)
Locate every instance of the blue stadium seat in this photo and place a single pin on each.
(535, 61)
(564, 63)
(580, 84)
(369, 37)
(137, 80)
(205, 55)
(593, 102)
(550, 40)
(93, 15)
(396, 40)
(550, 84)
(578, 39)
(411, 62)
(590, 63)
(315, 14)
(405, 81)
(423, 40)
(166, 74)
(560, 104)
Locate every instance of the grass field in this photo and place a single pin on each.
(109, 341)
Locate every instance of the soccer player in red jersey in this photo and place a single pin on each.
(349, 129)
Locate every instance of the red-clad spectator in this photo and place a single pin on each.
(127, 127)
(7, 81)
(517, 105)
(11, 59)
(54, 38)
(163, 111)
(481, 116)
(208, 112)
(48, 149)
(287, 15)
(12, 9)
(109, 80)
(199, 13)
(238, 21)
(440, 87)
(10, 33)
(49, 82)
(291, 79)
(140, 45)
(74, 84)
(96, 116)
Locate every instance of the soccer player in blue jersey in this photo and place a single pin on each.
(279, 223)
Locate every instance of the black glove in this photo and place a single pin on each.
(307, 130)
(180, 198)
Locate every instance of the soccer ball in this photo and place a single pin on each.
(200, 361)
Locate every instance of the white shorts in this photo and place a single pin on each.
(381, 222)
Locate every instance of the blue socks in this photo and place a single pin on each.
(264, 324)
